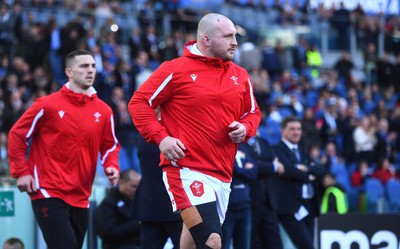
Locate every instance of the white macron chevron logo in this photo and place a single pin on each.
(194, 76)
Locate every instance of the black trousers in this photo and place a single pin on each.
(63, 226)
(154, 235)
(265, 231)
(301, 232)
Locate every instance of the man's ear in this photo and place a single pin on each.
(68, 72)
(206, 41)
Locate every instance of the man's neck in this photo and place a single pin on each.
(77, 89)
(288, 143)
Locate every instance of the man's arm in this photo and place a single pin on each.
(252, 116)
(292, 171)
(109, 152)
(25, 127)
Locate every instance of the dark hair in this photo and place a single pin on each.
(14, 241)
(125, 175)
(75, 53)
(331, 175)
(289, 119)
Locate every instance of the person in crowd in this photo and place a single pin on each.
(64, 134)
(236, 229)
(358, 179)
(265, 230)
(299, 56)
(332, 158)
(158, 222)
(363, 172)
(270, 61)
(4, 165)
(346, 123)
(384, 140)
(370, 58)
(384, 171)
(314, 61)
(343, 66)
(364, 136)
(334, 198)
(125, 131)
(310, 129)
(297, 189)
(341, 21)
(203, 119)
(116, 217)
(384, 70)
(13, 243)
(327, 123)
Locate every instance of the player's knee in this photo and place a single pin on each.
(214, 241)
(206, 236)
(204, 226)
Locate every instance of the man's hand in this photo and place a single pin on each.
(172, 148)
(26, 184)
(238, 132)
(302, 167)
(281, 168)
(248, 165)
(112, 175)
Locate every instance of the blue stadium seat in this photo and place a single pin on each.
(352, 167)
(353, 195)
(311, 98)
(339, 170)
(271, 131)
(393, 195)
(342, 176)
(344, 181)
(285, 111)
(375, 193)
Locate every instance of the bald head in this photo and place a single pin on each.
(210, 23)
(129, 182)
(216, 36)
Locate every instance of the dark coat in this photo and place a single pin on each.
(155, 204)
(289, 185)
(262, 190)
(116, 222)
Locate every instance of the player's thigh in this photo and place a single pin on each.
(53, 218)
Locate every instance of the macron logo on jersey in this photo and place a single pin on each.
(61, 113)
(193, 76)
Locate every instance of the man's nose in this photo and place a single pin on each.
(234, 41)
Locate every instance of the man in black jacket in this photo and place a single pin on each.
(158, 221)
(115, 218)
(265, 227)
(297, 188)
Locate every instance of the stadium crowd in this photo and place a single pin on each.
(348, 121)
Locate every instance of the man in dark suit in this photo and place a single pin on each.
(297, 188)
(265, 227)
(158, 222)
